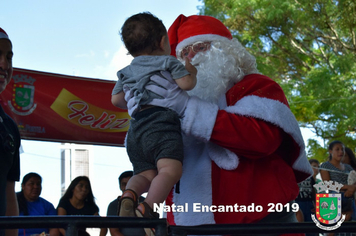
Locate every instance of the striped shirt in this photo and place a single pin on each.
(335, 173)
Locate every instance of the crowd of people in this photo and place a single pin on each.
(77, 200)
(336, 168)
(228, 140)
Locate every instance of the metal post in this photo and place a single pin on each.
(72, 230)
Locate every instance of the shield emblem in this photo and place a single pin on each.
(328, 207)
(23, 96)
(22, 102)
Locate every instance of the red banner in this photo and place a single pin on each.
(54, 107)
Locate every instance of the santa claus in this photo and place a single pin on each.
(244, 152)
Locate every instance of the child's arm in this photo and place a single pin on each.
(118, 100)
(188, 82)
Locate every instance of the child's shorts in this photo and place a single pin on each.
(154, 133)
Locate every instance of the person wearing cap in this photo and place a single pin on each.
(243, 150)
(112, 208)
(10, 141)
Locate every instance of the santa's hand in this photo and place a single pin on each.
(174, 97)
(130, 99)
(198, 115)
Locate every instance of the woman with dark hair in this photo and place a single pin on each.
(335, 170)
(349, 158)
(79, 200)
(31, 204)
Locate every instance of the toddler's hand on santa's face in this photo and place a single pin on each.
(173, 97)
(190, 68)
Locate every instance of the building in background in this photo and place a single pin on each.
(76, 160)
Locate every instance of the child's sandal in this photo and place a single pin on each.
(127, 205)
(145, 211)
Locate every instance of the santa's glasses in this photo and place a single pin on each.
(195, 47)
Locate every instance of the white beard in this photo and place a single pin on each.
(219, 68)
(217, 73)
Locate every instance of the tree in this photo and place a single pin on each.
(309, 48)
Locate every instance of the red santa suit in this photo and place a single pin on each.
(247, 150)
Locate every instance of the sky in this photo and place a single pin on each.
(79, 38)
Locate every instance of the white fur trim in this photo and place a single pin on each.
(266, 109)
(203, 37)
(199, 118)
(222, 157)
(196, 186)
(198, 155)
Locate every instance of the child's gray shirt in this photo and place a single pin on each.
(137, 75)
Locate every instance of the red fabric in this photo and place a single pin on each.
(264, 176)
(169, 202)
(265, 151)
(256, 141)
(184, 27)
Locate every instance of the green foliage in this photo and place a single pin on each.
(309, 48)
(317, 151)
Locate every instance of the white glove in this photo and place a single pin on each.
(174, 97)
(130, 99)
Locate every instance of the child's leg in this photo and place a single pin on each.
(169, 173)
(141, 182)
(137, 185)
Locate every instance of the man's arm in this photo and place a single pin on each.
(12, 208)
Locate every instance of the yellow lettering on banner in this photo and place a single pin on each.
(88, 116)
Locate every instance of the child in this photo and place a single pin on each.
(154, 141)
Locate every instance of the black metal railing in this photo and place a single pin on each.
(73, 223)
(259, 229)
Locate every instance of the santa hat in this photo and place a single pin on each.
(187, 30)
(3, 34)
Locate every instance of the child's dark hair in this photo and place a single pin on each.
(142, 33)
